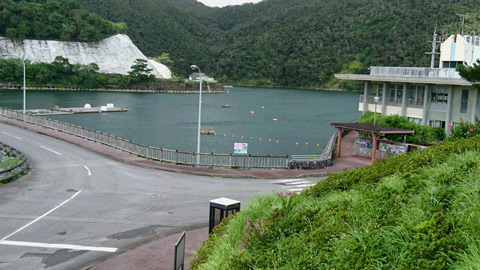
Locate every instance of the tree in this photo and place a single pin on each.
(165, 59)
(140, 71)
(471, 73)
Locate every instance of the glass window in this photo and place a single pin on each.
(421, 92)
(439, 95)
(464, 104)
(437, 123)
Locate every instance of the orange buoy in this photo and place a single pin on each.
(275, 119)
(252, 112)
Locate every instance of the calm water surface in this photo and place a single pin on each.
(170, 120)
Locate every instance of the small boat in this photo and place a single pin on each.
(226, 106)
(210, 132)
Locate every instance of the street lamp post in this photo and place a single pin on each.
(375, 99)
(24, 87)
(199, 112)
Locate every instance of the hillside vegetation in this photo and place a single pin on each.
(53, 19)
(415, 211)
(288, 42)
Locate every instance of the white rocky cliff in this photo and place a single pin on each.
(115, 54)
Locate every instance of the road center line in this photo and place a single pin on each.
(57, 246)
(88, 170)
(11, 135)
(42, 216)
(50, 150)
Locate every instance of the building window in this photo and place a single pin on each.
(464, 104)
(451, 64)
(437, 123)
(439, 95)
(415, 120)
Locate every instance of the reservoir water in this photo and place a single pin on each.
(170, 120)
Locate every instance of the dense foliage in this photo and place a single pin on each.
(53, 19)
(65, 74)
(288, 42)
(414, 211)
(423, 134)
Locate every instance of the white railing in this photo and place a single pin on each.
(176, 157)
(394, 101)
(415, 72)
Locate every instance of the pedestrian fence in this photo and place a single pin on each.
(12, 172)
(211, 160)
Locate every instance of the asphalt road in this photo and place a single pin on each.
(76, 207)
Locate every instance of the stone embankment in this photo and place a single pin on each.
(12, 163)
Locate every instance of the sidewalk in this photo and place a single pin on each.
(347, 161)
(156, 255)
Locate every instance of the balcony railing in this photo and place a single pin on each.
(415, 72)
(394, 101)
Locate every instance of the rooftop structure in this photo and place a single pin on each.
(426, 95)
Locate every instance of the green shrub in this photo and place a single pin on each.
(423, 134)
(464, 130)
(415, 211)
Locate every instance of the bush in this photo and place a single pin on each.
(464, 130)
(423, 134)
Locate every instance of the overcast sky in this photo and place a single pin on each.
(223, 3)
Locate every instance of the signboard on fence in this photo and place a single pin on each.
(180, 252)
(240, 148)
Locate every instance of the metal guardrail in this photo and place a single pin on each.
(13, 172)
(323, 160)
(211, 160)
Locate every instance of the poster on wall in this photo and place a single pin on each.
(240, 148)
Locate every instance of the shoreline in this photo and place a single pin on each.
(117, 90)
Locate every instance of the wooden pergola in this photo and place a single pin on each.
(375, 130)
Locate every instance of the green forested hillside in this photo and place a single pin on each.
(287, 42)
(274, 42)
(53, 19)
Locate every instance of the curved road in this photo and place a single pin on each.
(76, 207)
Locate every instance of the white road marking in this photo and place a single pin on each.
(304, 185)
(296, 183)
(51, 150)
(286, 180)
(42, 216)
(11, 135)
(295, 189)
(88, 170)
(56, 246)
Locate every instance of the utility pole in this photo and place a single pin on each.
(463, 20)
(434, 49)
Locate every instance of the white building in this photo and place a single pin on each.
(428, 96)
(196, 77)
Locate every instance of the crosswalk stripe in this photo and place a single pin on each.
(295, 189)
(296, 183)
(286, 181)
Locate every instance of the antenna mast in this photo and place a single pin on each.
(434, 49)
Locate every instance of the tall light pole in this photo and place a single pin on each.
(199, 112)
(24, 86)
(375, 99)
